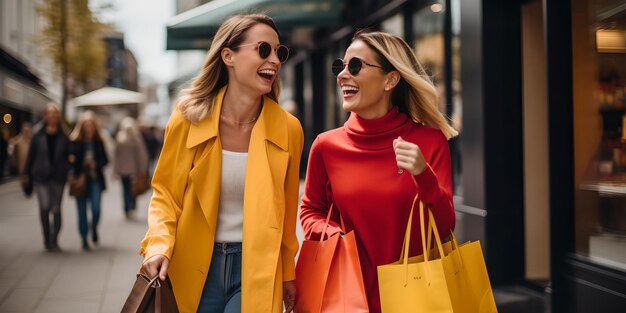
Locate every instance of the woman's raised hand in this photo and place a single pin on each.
(409, 156)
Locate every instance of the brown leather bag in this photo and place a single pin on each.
(78, 184)
(139, 185)
(150, 295)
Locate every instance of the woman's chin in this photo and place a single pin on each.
(265, 89)
(349, 106)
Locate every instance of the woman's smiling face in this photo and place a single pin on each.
(364, 93)
(250, 70)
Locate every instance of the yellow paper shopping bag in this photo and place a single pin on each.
(455, 281)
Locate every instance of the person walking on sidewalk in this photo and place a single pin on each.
(226, 232)
(131, 161)
(88, 157)
(47, 165)
(395, 137)
(21, 143)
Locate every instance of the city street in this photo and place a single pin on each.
(73, 280)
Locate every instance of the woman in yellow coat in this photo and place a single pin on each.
(222, 220)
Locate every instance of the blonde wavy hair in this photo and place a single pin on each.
(197, 101)
(78, 134)
(415, 95)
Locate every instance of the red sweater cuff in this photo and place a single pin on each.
(428, 185)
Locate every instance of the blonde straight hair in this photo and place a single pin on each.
(415, 95)
(197, 101)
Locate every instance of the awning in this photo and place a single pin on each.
(194, 29)
(108, 96)
(16, 66)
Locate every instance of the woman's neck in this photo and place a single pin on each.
(374, 134)
(240, 107)
(52, 129)
(374, 114)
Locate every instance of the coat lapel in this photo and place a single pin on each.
(206, 173)
(268, 159)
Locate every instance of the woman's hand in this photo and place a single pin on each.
(289, 295)
(156, 265)
(90, 164)
(409, 156)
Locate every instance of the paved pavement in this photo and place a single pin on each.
(35, 281)
(73, 280)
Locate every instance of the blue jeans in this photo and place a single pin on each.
(129, 199)
(222, 288)
(93, 193)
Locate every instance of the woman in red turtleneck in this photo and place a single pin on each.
(394, 138)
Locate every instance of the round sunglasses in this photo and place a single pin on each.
(354, 66)
(264, 48)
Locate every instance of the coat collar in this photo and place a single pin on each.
(272, 123)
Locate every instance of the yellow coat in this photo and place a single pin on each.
(183, 210)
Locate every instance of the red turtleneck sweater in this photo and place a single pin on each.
(355, 166)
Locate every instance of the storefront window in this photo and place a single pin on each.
(429, 44)
(394, 25)
(599, 71)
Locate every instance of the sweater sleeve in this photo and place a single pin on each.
(315, 201)
(435, 185)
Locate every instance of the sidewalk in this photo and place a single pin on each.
(33, 280)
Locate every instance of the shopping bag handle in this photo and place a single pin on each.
(343, 226)
(428, 241)
(431, 221)
(407, 239)
(432, 229)
(431, 226)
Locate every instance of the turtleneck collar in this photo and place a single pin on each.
(378, 133)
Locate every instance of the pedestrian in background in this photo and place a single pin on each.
(224, 249)
(5, 161)
(131, 161)
(394, 139)
(47, 165)
(88, 157)
(21, 142)
(148, 133)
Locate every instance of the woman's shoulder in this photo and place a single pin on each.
(177, 121)
(331, 138)
(293, 123)
(428, 133)
(332, 134)
(279, 114)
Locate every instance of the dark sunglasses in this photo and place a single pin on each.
(354, 66)
(264, 48)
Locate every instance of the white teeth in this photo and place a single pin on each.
(349, 88)
(268, 72)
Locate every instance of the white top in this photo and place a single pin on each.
(230, 212)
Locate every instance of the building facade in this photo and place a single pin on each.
(537, 92)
